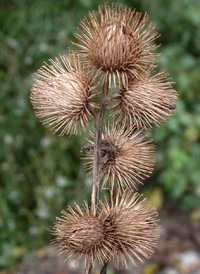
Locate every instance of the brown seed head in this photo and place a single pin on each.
(62, 95)
(127, 158)
(117, 41)
(78, 233)
(149, 99)
(125, 229)
(131, 227)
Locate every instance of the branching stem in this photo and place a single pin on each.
(97, 148)
(88, 269)
(97, 158)
(104, 268)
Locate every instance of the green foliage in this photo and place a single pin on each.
(178, 140)
(41, 174)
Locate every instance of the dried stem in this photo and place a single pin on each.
(97, 148)
(97, 156)
(109, 148)
(88, 269)
(104, 268)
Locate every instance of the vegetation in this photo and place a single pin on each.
(41, 174)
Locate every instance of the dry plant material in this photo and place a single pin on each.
(116, 49)
(146, 100)
(132, 228)
(124, 230)
(118, 41)
(126, 157)
(62, 95)
(78, 233)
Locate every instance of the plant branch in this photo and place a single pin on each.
(88, 269)
(104, 268)
(107, 152)
(105, 147)
(97, 148)
(97, 157)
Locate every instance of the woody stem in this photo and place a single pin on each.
(104, 268)
(97, 155)
(97, 148)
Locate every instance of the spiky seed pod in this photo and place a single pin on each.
(62, 95)
(131, 226)
(127, 158)
(78, 233)
(118, 42)
(126, 228)
(148, 100)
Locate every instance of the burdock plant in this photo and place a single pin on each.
(113, 68)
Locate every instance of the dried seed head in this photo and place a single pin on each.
(126, 157)
(131, 228)
(149, 99)
(78, 233)
(62, 95)
(117, 41)
(125, 229)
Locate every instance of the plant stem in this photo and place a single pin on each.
(88, 269)
(104, 268)
(97, 148)
(97, 157)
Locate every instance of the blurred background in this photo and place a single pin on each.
(40, 174)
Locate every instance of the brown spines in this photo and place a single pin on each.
(117, 41)
(78, 233)
(125, 229)
(62, 95)
(127, 158)
(132, 228)
(144, 101)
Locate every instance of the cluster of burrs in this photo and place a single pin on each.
(114, 69)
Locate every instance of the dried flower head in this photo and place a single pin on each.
(62, 95)
(78, 233)
(131, 228)
(117, 41)
(126, 157)
(126, 229)
(149, 99)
